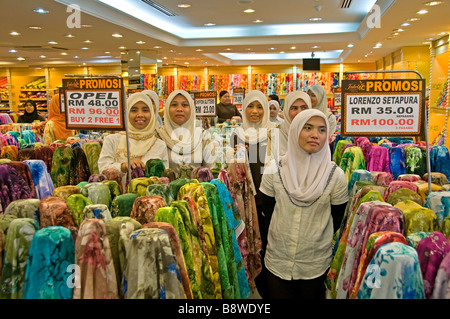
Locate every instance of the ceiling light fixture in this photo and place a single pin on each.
(157, 47)
(40, 10)
(14, 33)
(13, 50)
(122, 47)
(88, 41)
(433, 3)
(199, 50)
(117, 35)
(209, 24)
(184, 5)
(293, 48)
(413, 19)
(350, 45)
(140, 42)
(52, 42)
(249, 11)
(315, 19)
(86, 25)
(315, 47)
(35, 27)
(42, 56)
(422, 11)
(258, 21)
(63, 53)
(406, 24)
(70, 36)
(84, 48)
(21, 59)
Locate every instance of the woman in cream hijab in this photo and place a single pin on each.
(295, 103)
(186, 143)
(155, 99)
(306, 198)
(319, 102)
(144, 144)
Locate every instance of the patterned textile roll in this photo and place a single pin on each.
(25, 172)
(24, 208)
(96, 211)
(170, 173)
(185, 171)
(154, 167)
(9, 151)
(409, 177)
(415, 238)
(92, 151)
(382, 178)
(139, 185)
(122, 205)
(95, 178)
(76, 203)
(26, 154)
(65, 191)
(151, 278)
(395, 185)
(50, 264)
(41, 178)
(442, 281)
(17, 245)
(93, 256)
(172, 216)
(45, 154)
(176, 245)
(98, 193)
(118, 231)
(60, 173)
(202, 174)
(419, 219)
(145, 207)
(162, 190)
(114, 175)
(54, 211)
(177, 184)
(114, 188)
(404, 194)
(12, 186)
(79, 167)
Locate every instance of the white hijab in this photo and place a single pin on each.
(251, 132)
(141, 140)
(305, 175)
(290, 99)
(277, 106)
(155, 99)
(322, 104)
(183, 139)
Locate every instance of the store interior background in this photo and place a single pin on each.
(203, 45)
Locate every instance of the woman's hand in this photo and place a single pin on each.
(134, 163)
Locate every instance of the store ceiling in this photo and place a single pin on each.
(284, 35)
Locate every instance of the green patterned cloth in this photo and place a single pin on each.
(162, 190)
(97, 211)
(123, 204)
(97, 192)
(92, 151)
(65, 191)
(61, 160)
(76, 203)
(154, 167)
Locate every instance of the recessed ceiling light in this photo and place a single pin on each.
(422, 11)
(413, 19)
(117, 35)
(406, 24)
(156, 47)
(107, 52)
(272, 48)
(350, 45)
(140, 42)
(164, 57)
(14, 33)
(315, 47)
(76, 57)
(433, 3)
(69, 36)
(442, 33)
(315, 19)
(228, 49)
(20, 59)
(88, 41)
(13, 50)
(249, 11)
(122, 47)
(35, 27)
(84, 48)
(138, 52)
(40, 10)
(258, 21)
(199, 50)
(281, 52)
(209, 24)
(186, 62)
(52, 42)
(123, 53)
(63, 53)
(183, 5)
(42, 56)
(293, 48)
(86, 25)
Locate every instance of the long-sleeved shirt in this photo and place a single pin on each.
(226, 111)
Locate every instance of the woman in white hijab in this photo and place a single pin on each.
(144, 144)
(274, 108)
(319, 102)
(260, 137)
(295, 103)
(155, 99)
(186, 143)
(308, 197)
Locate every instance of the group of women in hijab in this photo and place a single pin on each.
(299, 193)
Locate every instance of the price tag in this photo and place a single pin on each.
(383, 107)
(238, 96)
(205, 103)
(95, 103)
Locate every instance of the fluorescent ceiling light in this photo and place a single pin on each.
(277, 56)
(180, 27)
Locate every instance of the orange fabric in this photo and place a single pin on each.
(59, 120)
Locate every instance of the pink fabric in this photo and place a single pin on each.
(395, 185)
(379, 159)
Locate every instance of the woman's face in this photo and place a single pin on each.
(273, 111)
(179, 109)
(254, 112)
(313, 98)
(225, 99)
(296, 107)
(29, 108)
(313, 135)
(140, 115)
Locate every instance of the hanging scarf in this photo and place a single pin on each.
(172, 133)
(141, 140)
(305, 175)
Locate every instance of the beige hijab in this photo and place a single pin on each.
(305, 175)
(141, 141)
(183, 139)
(290, 99)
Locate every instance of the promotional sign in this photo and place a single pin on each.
(94, 103)
(238, 96)
(383, 107)
(205, 103)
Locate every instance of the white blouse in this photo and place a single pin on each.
(300, 238)
(107, 157)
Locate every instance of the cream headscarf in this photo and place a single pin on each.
(172, 133)
(277, 106)
(141, 141)
(155, 99)
(254, 133)
(322, 104)
(305, 175)
(290, 99)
